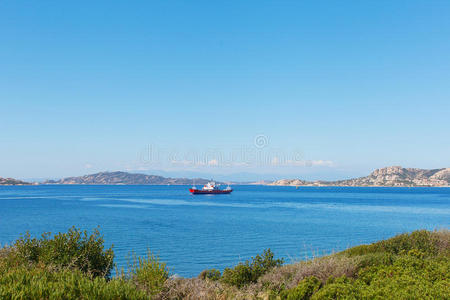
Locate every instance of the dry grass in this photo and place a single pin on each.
(288, 276)
(191, 288)
(284, 277)
(4, 251)
(443, 241)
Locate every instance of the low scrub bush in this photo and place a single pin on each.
(408, 266)
(211, 274)
(248, 272)
(75, 265)
(149, 273)
(429, 243)
(409, 277)
(375, 259)
(41, 283)
(304, 290)
(339, 288)
(75, 249)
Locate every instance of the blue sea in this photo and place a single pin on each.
(194, 232)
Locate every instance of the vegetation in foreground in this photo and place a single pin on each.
(75, 265)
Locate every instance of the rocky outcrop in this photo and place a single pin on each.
(111, 178)
(389, 176)
(12, 181)
(443, 174)
(296, 182)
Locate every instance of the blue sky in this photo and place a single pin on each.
(334, 88)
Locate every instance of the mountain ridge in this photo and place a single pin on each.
(12, 181)
(388, 176)
(125, 178)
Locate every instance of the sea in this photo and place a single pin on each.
(196, 232)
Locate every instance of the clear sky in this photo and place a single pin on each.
(310, 89)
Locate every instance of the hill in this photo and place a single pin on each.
(113, 178)
(389, 176)
(12, 181)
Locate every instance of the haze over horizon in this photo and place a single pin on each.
(266, 88)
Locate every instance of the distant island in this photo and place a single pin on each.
(12, 181)
(395, 176)
(389, 176)
(125, 178)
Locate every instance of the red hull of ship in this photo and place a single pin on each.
(195, 191)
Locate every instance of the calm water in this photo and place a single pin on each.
(192, 233)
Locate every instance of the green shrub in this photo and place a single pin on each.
(211, 274)
(422, 240)
(338, 289)
(41, 283)
(71, 266)
(239, 276)
(375, 259)
(407, 266)
(248, 272)
(74, 250)
(409, 277)
(305, 289)
(149, 273)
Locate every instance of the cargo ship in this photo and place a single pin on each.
(210, 188)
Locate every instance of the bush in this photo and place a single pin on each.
(340, 288)
(425, 241)
(72, 250)
(305, 289)
(409, 266)
(211, 274)
(409, 276)
(149, 273)
(248, 272)
(375, 259)
(239, 276)
(41, 283)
